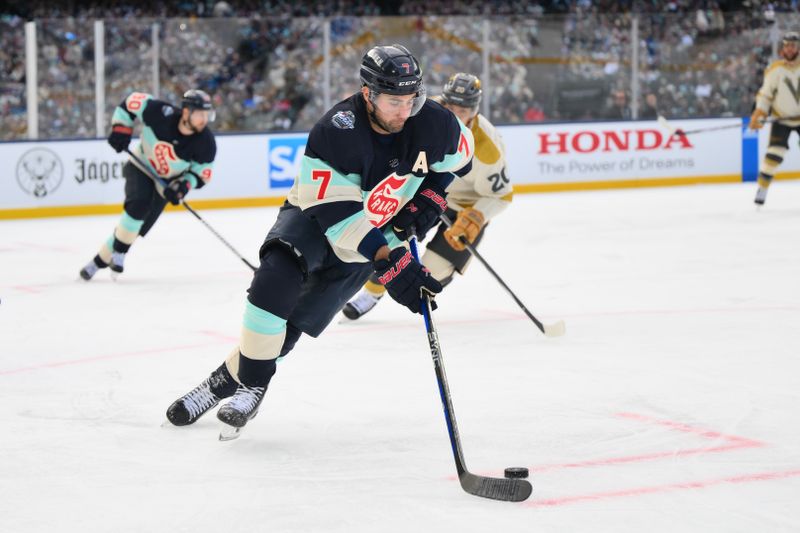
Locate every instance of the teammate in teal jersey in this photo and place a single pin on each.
(374, 171)
(176, 145)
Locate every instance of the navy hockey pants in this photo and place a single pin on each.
(312, 287)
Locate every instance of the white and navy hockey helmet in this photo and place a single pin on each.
(393, 70)
(198, 99)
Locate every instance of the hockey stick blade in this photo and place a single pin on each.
(555, 330)
(662, 121)
(507, 490)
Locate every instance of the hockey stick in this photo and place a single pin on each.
(509, 490)
(192, 211)
(550, 330)
(662, 121)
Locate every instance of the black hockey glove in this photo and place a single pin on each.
(405, 279)
(176, 190)
(421, 212)
(120, 137)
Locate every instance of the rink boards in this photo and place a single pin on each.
(79, 177)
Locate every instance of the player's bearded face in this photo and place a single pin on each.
(464, 114)
(390, 112)
(790, 51)
(195, 119)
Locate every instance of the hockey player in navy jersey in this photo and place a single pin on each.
(176, 145)
(472, 202)
(375, 169)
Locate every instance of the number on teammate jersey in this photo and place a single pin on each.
(135, 100)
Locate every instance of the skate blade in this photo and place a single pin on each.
(227, 433)
(114, 275)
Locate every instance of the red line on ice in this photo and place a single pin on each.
(640, 491)
(72, 362)
(686, 428)
(644, 457)
(734, 443)
(32, 289)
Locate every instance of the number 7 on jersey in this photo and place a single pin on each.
(325, 176)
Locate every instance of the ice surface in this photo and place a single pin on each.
(670, 405)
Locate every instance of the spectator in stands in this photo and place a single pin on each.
(618, 109)
(263, 66)
(650, 108)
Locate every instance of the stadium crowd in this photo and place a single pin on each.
(262, 61)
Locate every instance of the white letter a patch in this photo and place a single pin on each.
(421, 163)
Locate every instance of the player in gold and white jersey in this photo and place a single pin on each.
(472, 201)
(779, 97)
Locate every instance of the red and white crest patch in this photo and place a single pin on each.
(382, 203)
(163, 155)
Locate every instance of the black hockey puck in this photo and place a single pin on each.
(516, 472)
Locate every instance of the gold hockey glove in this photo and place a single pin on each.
(468, 224)
(757, 119)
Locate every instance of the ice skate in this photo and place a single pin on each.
(242, 407)
(117, 264)
(191, 406)
(360, 305)
(761, 196)
(91, 269)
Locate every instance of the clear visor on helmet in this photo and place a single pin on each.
(212, 113)
(393, 102)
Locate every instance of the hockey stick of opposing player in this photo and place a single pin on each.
(510, 490)
(662, 121)
(550, 330)
(192, 211)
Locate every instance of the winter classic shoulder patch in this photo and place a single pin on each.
(344, 120)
